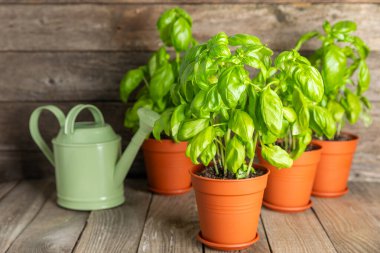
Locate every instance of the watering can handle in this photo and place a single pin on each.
(73, 114)
(35, 132)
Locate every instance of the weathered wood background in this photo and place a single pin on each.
(65, 52)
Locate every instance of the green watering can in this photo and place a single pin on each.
(89, 167)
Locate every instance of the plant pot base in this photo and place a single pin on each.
(221, 246)
(329, 194)
(170, 192)
(287, 209)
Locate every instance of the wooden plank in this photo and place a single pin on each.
(297, 232)
(171, 225)
(65, 76)
(348, 223)
(88, 76)
(6, 187)
(262, 246)
(19, 207)
(133, 27)
(118, 229)
(55, 229)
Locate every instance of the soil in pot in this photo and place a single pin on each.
(228, 209)
(335, 165)
(167, 166)
(289, 190)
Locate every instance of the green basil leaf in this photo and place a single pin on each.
(161, 82)
(164, 25)
(243, 40)
(241, 124)
(190, 128)
(179, 114)
(276, 156)
(366, 102)
(336, 110)
(130, 82)
(208, 154)
(310, 82)
(181, 35)
(198, 107)
(289, 114)
(218, 46)
(364, 77)
(182, 13)
(199, 143)
(131, 119)
(351, 103)
(322, 122)
(334, 64)
(235, 154)
(231, 85)
(163, 124)
(267, 137)
(213, 101)
(344, 27)
(302, 141)
(271, 110)
(250, 149)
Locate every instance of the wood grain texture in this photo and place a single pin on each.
(132, 27)
(54, 229)
(118, 229)
(19, 207)
(171, 225)
(293, 233)
(261, 246)
(348, 220)
(88, 76)
(6, 187)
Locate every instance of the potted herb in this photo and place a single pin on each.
(222, 110)
(342, 62)
(300, 87)
(165, 161)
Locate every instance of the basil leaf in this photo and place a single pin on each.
(131, 119)
(181, 35)
(305, 37)
(190, 128)
(351, 103)
(164, 25)
(208, 154)
(243, 40)
(322, 122)
(199, 143)
(177, 117)
(336, 110)
(163, 124)
(218, 46)
(161, 82)
(364, 77)
(231, 85)
(289, 114)
(334, 64)
(344, 27)
(310, 82)
(130, 82)
(241, 124)
(271, 110)
(276, 156)
(235, 154)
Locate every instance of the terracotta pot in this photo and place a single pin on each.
(334, 168)
(167, 166)
(228, 210)
(289, 190)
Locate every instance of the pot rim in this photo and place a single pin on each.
(353, 136)
(197, 167)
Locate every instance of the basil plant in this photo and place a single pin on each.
(161, 72)
(301, 89)
(225, 104)
(341, 59)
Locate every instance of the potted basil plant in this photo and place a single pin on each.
(341, 58)
(223, 110)
(165, 161)
(300, 87)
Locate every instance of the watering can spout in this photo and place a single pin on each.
(147, 119)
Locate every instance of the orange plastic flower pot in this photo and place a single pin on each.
(289, 190)
(228, 210)
(167, 166)
(334, 168)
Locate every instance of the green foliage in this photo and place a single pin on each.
(342, 62)
(160, 75)
(224, 108)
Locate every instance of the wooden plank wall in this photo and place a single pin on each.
(65, 52)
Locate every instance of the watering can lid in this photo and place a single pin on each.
(87, 133)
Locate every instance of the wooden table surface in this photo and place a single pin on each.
(30, 221)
